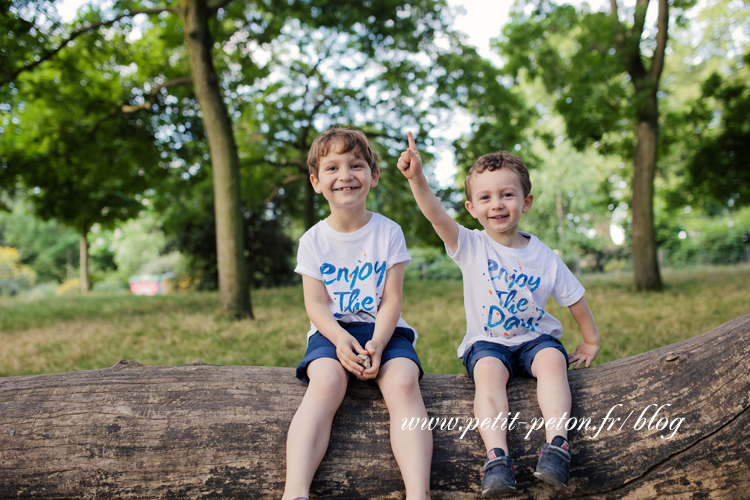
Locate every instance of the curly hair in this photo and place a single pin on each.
(496, 161)
(346, 140)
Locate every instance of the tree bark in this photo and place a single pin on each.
(673, 422)
(234, 289)
(646, 82)
(645, 263)
(84, 258)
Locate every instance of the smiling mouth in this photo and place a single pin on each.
(350, 188)
(499, 217)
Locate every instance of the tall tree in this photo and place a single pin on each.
(80, 160)
(220, 40)
(606, 71)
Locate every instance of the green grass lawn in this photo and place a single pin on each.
(59, 334)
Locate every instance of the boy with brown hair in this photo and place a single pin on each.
(352, 266)
(508, 277)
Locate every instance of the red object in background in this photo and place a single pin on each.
(144, 287)
(151, 284)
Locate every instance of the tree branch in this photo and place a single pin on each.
(613, 8)
(82, 31)
(639, 19)
(657, 64)
(630, 47)
(277, 188)
(131, 108)
(218, 4)
(614, 14)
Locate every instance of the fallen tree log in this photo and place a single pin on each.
(670, 422)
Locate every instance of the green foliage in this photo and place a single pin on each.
(719, 140)
(24, 30)
(580, 56)
(500, 116)
(47, 247)
(431, 263)
(268, 249)
(693, 239)
(14, 276)
(80, 163)
(359, 71)
(572, 208)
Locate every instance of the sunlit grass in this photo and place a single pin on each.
(61, 334)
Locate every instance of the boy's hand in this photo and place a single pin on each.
(409, 162)
(376, 352)
(584, 354)
(346, 350)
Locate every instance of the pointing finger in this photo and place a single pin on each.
(412, 144)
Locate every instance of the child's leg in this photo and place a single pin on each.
(553, 391)
(399, 383)
(490, 399)
(310, 429)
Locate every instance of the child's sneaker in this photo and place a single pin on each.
(499, 477)
(554, 462)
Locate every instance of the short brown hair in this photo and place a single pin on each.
(496, 161)
(348, 140)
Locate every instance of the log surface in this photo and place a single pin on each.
(201, 431)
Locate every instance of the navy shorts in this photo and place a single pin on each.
(400, 346)
(517, 359)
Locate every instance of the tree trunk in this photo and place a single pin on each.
(673, 422)
(84, 257)
(646, 84)
(645, 263)
(234, 289)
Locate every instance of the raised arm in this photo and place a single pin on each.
(410, 165)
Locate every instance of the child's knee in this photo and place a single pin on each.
(490, 368)
(548, 361)
(400, 379)
(327, 379)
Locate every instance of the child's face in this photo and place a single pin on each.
(344, 179)
(497, 201)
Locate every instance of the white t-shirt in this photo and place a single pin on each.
(353, 266)
(506, 289)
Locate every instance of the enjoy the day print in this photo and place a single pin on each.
(515, 313)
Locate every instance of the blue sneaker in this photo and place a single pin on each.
(499, 477)
(554, 463)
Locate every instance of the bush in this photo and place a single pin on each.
(110, 283)
(14, 276)
(431, 263)
(710, 240)
(42, 290)
(70, 287)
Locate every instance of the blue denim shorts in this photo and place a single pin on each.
(400, 346)
(517, 359)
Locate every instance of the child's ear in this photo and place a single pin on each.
(470, 207)
(315, 184)
(375, 177)
(527, 203)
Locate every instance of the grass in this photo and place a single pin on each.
(60, 334)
